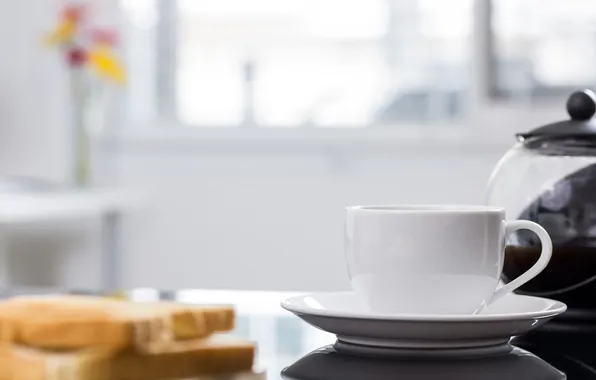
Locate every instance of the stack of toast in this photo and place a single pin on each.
(92, 338)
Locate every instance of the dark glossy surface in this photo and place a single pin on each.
(541, 358)
(328, 363)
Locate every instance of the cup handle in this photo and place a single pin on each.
(545, 255)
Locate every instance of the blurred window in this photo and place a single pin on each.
(291, 63)
(351, 63)
(543, 48)
(139, 35)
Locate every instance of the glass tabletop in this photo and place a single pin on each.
(290, 349)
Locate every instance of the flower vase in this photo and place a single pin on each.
(80, 171)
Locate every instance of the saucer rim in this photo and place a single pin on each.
(557, 308)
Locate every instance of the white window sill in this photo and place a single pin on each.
(421, 137)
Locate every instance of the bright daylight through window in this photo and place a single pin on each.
(354, 63)
(543, 48)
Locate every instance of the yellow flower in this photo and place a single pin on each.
(105, 64)
(63, 33)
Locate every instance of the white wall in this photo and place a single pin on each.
(273, 219)
(33, 108)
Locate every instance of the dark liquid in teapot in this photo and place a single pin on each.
(569, 277)
(567, 210)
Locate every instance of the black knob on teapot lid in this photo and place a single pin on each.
(581, 107)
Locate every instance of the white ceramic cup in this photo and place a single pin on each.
(432, 259)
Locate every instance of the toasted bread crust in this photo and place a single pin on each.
(76, 322)
(212, 356)
(216, 355)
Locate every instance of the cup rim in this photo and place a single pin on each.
(422, 208)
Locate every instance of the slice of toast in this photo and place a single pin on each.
(192, 321)
(74, 322)
(18, 362)
(218, 318)
(217, 355)
(67, 322)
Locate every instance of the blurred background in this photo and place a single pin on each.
(245, 126)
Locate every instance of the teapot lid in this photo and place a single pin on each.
(581, 106)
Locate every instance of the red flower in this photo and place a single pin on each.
(103, 36)
(73, 13)
(76, 56)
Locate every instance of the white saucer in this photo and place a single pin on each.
(343, 314)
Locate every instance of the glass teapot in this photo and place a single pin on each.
(549, 177)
